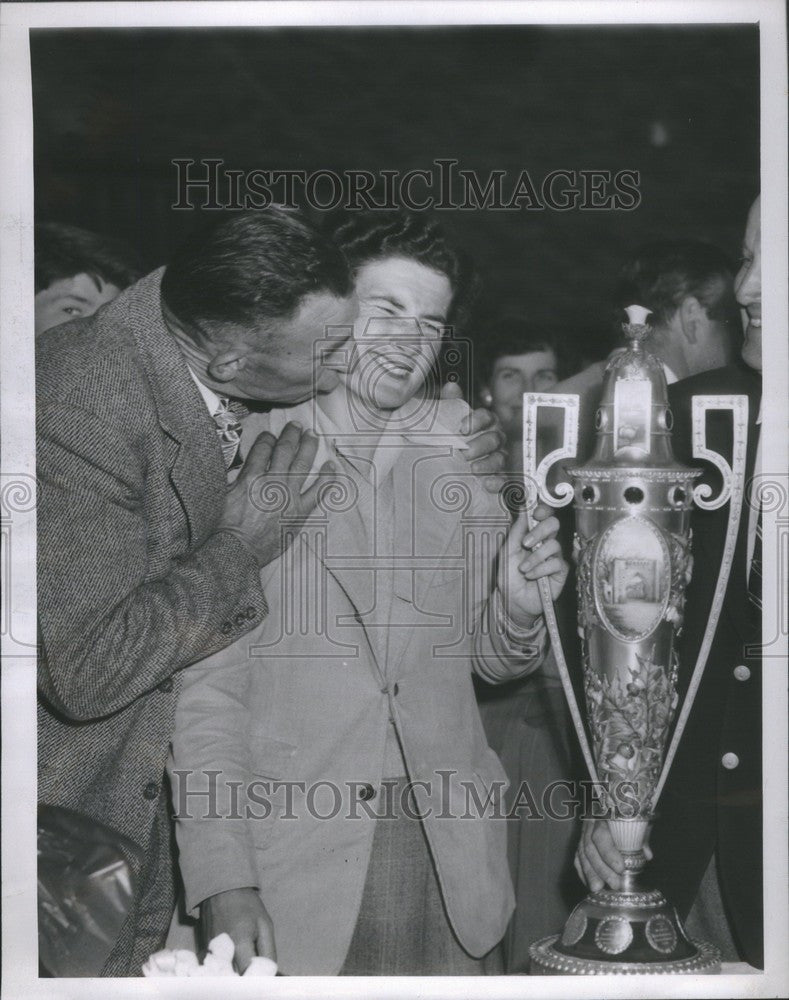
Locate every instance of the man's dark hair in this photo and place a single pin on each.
(62, 251)
(663, 273)
(250, 268)
(370, 235)
(512, 335)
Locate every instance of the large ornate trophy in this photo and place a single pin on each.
(632, 553)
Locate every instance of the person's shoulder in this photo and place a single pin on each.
(99, 358)
(731, 379)
(588, 380)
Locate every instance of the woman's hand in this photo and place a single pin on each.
(525, 558)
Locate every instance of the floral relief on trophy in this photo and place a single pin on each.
(583, 549)
(681, 572)
(629, 721)
(631, 577)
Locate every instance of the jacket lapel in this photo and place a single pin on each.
(197, 472)
(737, 603)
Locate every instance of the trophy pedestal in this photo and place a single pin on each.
(630, 931)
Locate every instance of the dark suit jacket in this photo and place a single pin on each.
(133, 583)
(704, 805)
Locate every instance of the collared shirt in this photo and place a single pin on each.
(210, 398)
(414, 423)
(370, 461)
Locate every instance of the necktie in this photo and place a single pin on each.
(228, 418)
(755, 575)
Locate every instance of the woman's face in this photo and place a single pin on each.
(403, 308)
(514, 374)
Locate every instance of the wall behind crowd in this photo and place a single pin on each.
(680, 105)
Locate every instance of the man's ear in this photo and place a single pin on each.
(692, 315)
(225, 367)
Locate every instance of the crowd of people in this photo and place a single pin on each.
(290, 623)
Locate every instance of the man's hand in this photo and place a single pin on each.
(485, 442)
(517, 577)
(241, 914)
(597, 859)
(268, 489)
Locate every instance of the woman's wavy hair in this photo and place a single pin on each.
(376, 235)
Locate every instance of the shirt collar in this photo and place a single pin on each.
(210, 398)
(433, 424)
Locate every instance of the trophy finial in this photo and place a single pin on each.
(636, 329)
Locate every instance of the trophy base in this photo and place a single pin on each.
(628, 932)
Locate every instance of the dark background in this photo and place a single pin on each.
(678, 104)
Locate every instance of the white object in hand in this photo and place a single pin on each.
(218, 962)
(260, 966)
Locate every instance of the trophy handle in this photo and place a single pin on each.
(732, 491)
(568, 402)
(739, 409)
(534, 477)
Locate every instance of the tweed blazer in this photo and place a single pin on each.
(133, 581)
(305, 702)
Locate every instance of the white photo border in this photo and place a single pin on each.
(20, 967)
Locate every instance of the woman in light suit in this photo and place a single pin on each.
(362, 829)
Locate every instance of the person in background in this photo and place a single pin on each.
(707, 837)
(515, 359)
(77, 272)
(695, 324)
(527, 721)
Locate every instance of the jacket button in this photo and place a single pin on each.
(151, 791)
(366, 792)
(227, 628)
(240, 619)
(249, 612)
(730, 761)
(742, 673)
(166, 685)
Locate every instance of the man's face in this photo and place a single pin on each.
(69, 298)
(748, 287)
(299, 355)
(403, 307)
(514, 374)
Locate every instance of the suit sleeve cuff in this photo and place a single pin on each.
(517, 637)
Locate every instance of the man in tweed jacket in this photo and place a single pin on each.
(147, 561)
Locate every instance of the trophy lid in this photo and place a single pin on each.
(633, 420)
